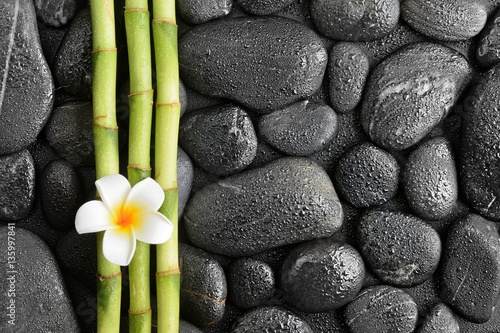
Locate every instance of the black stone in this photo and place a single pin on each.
(271, 319)
(430, 180)
(199, 11)
(17, 185)
(300, 129)
(471, 268)
(57, 13)
(440, 320)
(488, 47)
(41, 302)
(250, 282)
(73, 62)
(263, 63)
(219, 139)
(187, 327)
(26, 86)
(410, 92)
(400, 248)
(69, 132)
(263, 7)
(381, 309)
(355, 21)
(50, 39)
(348, 69)
(61, 194)
(480, 152)
(322, 275)
(445, 20)
(367, 175)
(184, 178)
(203, 287)
(289, 200)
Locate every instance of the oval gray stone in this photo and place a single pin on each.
(445, 20)
(37, 293)
(348, 69)
(26, 86)
(480, 151)
(263, 7)
(287, 201)
(410, 92)
(300, 129)
(199, 11)
(430, 180)
(401, 249)
(268, 63)
(488, 47)
(17, 185)
(440, 320)
(471, 268)
(203, 287)
(358, 20)
(271, 319)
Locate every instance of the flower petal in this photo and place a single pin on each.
(154, 229)
(118, 246)
(148, 194)
(93, 216)
(113, 190)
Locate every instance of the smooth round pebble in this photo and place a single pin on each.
(220, 139)
(61, 194)
(185, 174)
(430, 180)
(322, 275)
(300, 129)
(381, 309)
(263, 7)
(17, 185)
(355, 20)
(400, 248)
(440, 320)
(367, 175)
(348, 69)
(57, 13)
(199, 11)
(271, 319)
(250, 282)
(488, 47)
(187, 327)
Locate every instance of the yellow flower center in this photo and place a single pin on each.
(128, 215)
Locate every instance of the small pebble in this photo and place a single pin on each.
(199, 11)
(440, 320)
(271, 319)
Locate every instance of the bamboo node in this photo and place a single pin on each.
(145, 92)
(165, 20)
(173, 104)
(140, 312)
(110, 49)
(170, 189)
(171, 272)
(138, 167)
(136, 10)
(95, 122)
(103, 278)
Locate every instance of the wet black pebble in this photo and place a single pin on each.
(17, 185)
(430, 180)
(355, 20)
(250, 282)
(381, 309)
(287, 201)
(488, 48)
(187, 327)
(367, 175)
(199, 11)
(69, 133)
(271, 319)
(57, 13)
(203, 287)
(73, 61)
(220, 139)
(184, 178)
(410, 92)
(348, 68)
(26, 87)
(61, 194)
(264, 63)
(440, 320)
(300, 129)
(471, 268)
(322, 275)
(445, 20)
(400, 248)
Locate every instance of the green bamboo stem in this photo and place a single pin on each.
(141, 109)
(105, 131)
(166, 133)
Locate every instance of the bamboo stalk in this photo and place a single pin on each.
(105, 132)
(166, 133)
(141, 108)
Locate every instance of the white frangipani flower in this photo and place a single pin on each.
(125, 214)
